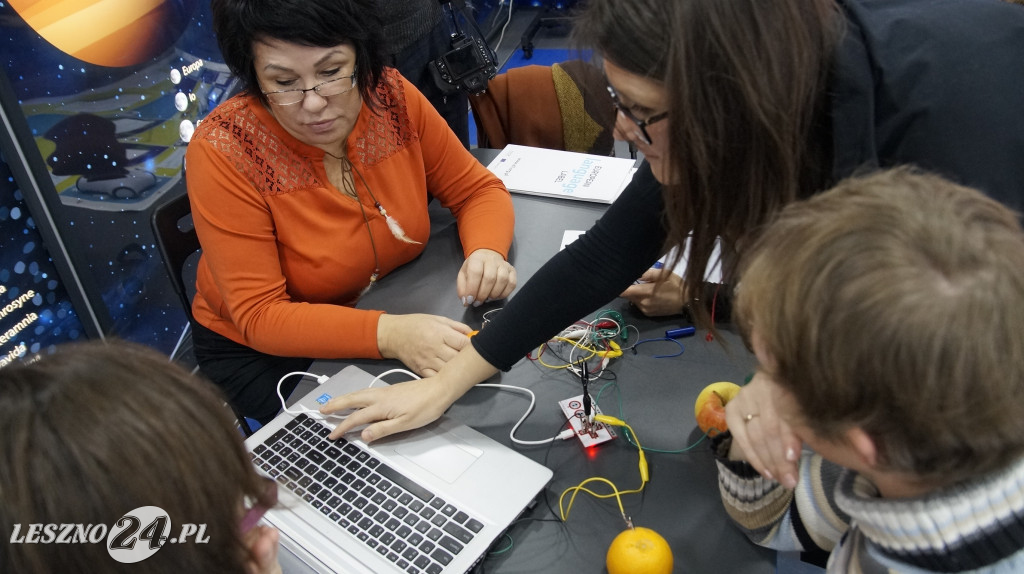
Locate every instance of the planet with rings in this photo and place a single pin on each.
(113, 33)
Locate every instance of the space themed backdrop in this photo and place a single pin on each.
(100, 98)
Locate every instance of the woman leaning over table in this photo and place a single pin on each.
(311, 185)
(741, 107)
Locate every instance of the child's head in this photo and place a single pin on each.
(96, 430)
(895, 303)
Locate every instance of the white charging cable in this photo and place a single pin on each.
(321, 379)
(565, 434)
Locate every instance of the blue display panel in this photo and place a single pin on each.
(102, 97)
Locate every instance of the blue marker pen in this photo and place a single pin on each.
(680, 332)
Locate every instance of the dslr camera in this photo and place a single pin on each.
(469, 64)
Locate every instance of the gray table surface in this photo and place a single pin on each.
(654, 395)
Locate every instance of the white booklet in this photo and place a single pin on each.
(557, 173)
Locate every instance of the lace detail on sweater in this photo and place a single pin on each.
(274, 164)
(389, 129)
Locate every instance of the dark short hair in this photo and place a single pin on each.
(321, 23)
(895, 303)
(96, 430)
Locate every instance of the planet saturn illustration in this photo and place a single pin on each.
(113, 33)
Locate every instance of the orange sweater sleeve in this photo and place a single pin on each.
(478, 199)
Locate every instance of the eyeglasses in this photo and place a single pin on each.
(334, 87)
(642, 124)
(256, 512)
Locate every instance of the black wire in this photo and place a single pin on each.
(555, 353)
(547, 502)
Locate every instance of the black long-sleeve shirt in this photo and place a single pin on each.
(588, 273)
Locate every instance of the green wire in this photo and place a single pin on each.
(511, 543)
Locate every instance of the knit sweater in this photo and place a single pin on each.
(975, 526)
(286, 254)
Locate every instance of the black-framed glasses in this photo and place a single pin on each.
(334, 87)
(642, 124)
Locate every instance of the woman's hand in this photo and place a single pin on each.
(412, 404)
(485, 276)
(391, 409)
(656, 299)
(424, 343)
(764, 440)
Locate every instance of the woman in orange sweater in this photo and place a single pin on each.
(312, 184)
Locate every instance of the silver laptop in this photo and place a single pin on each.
(432, 500)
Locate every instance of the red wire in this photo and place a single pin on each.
(714, 299)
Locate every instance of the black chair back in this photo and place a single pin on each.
(179, 247)
(177, 242)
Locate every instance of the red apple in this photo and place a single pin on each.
(709, 409)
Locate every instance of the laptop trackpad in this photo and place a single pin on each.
(444, 457)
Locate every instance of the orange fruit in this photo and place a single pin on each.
(639, 550)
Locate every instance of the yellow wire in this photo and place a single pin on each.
(564, 512)
(540, 352)
(644, 476)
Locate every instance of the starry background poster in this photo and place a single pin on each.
(35, 311)
(110, 91)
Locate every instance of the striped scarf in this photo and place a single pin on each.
(973, 526)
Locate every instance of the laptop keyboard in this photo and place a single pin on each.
(399, 519)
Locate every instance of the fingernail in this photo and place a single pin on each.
(367, 435)
(477, 303)
(464, 302)
(468, 300)
(790, 454)
(768, 475)
(789, 481)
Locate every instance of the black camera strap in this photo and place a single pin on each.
(460, 7)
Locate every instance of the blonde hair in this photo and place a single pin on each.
(895, 302)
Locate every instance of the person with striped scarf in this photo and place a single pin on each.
(886, 318)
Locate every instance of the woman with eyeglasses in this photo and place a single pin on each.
(96, 430)
(311, 185)
(741, 107)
